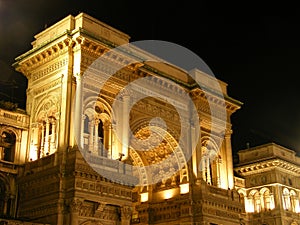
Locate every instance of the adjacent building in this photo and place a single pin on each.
(269, 184)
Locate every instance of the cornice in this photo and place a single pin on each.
(269, 164)
(41, 55)
(268, 186)
(44, 45)
(108, 44)
(230, 104)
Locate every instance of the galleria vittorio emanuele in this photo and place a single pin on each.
(114, 135)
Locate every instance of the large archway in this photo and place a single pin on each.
(158, 159)
(7, 145)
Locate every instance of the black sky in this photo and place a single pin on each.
(257, 56)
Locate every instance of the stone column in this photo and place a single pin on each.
(126, 213)
(229, 159)
(115, 143)
(109, 147)
(53, 137)
(106, 137)
(277, 190)
(47, 137)
(42, 152)
(5, 208)
(57, 116)
(82, 131)
(75, 207)
(203, 167)
(91, 137)
(35, 134)
(78, 111)
(13, 207)
(35, 142)
(208, 177)
(96, 138)
(125, 126)
(60, 214)
(194, 152)
(218, 162)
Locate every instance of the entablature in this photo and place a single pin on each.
(14, 119)
(267, 165)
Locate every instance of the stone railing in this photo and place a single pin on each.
(8, 167)
(111, 168)
(218, 191)
(42, 163)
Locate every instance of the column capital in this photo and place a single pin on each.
(107, 124)
(57, 115)
(96, 122)
(228, 132)
(125, 94)
(101, 206)
(76, 205)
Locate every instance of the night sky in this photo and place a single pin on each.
(257, 56)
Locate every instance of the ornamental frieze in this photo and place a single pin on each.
(157, 111)
(227, 214)
(49, 69)
(48, 104)
(40, 190)
(76, 205)
(47, 87)
(39, 211)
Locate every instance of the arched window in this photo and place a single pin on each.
(267, 199)
(257, 203)
(101, 138)
(286, 199)
(294, 202)
(97, 136)
(205, 165)
(100, 131)
(86, 124)
(210, 164)
(7, 146)
(252, 203)
(98, 139)
(47, 131)
(44, 128)
(215, 168)
(242, 198)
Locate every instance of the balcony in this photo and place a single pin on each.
(16, 119)
(113, 169)
(8, 167)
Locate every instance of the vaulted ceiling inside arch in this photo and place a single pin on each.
(157, 152)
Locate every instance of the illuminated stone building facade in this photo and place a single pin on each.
(77, 156)
(270, 184)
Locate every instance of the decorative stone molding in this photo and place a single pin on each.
(267, 165)
(57, 65)
(76, 205)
